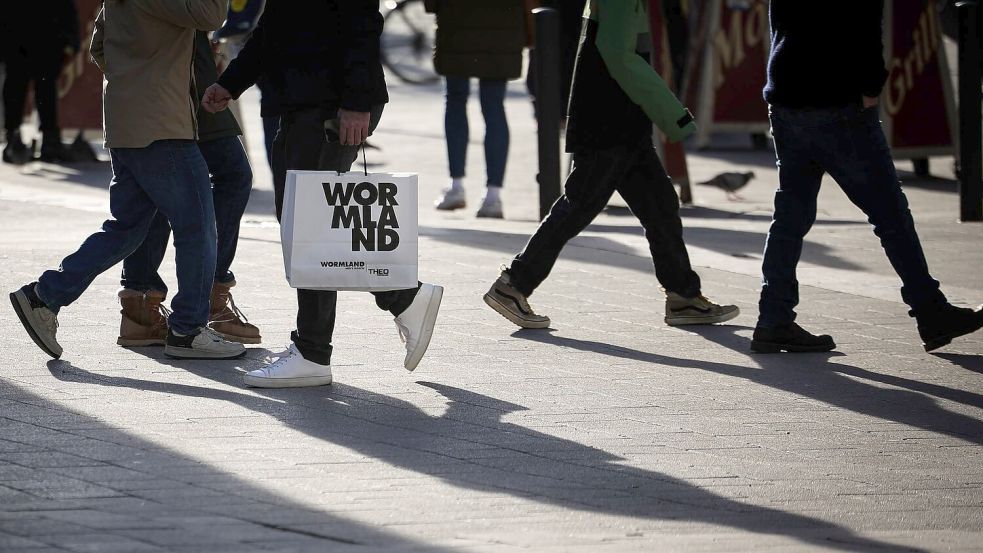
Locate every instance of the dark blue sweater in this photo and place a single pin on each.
(825, 53)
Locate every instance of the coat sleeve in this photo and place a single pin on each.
(247, 67)
(203, 15)
(361, 28)
(616, 42)
(96, 51)
(871, 24)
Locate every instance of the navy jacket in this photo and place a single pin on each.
(313, 53)
(825, 54)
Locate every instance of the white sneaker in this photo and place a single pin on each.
(207, 344)
(291, 370)
(491, 207)
(416, 323)
(451, 198)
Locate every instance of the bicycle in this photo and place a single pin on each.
(407, 42)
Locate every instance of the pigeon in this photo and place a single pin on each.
(730, 183)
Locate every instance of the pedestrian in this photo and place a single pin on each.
(143, 320)
(39, 38)
(825, 74)
(482, 39)
(322, 60)
(615, 98)
(143, 48)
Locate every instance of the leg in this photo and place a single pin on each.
(175, 177)
(799, 178)
(141, 268)
(586, 192)
(232, 179)
(132, 211)
(456, 124)
(47, 67)
(860, 162)
(492, 96)
(15, 91)
(651, 197)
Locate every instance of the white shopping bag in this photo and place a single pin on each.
(350, 231)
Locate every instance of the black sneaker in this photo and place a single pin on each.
(207, 344)
(40, 322)
(15, 151)
(939, 324)
(791, 338)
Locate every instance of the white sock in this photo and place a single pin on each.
(492, 193)
(457, 184)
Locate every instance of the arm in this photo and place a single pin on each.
(870, 28)
(96, 51)
(361, 28)
(69, 26)
(204, 15)
(616, 41)
(246, 68)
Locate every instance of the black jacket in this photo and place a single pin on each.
(825, 54)
(313, 53)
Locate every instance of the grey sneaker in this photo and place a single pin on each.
(415, 325)
(491, 208)
(512, 304)
(207, 344)
(40, 322)
(451, 199)
(696, 311)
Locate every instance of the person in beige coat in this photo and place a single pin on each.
(145, 50)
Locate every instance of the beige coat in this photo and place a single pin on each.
(145, 49)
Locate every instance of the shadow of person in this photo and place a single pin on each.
(470, 446)
(813, 375)
(969, 362)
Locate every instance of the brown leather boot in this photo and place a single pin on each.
(226, 319)
(144, 320)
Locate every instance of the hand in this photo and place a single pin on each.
(353, 127)
(870, 102)
(216, 98)
(67, 56)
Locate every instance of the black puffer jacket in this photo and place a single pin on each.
(479, 38)
(313, 53)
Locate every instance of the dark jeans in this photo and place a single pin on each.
(41, 65)
(301, 144)
(849, 144)
(491, 94)
(637, 174)
(232, 180)
(169, 176)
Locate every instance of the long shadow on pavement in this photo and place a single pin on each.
(471, 447)
(814, 376)
(89, 484)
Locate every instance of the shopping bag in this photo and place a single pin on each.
(350, 231)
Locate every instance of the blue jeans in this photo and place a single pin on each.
(232, 180)
(849, 144)
(169, 176)
(491, 94)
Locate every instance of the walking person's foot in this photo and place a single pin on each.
(227, 319)
(491, 204)
(791, 338)
(40, 322)
(451, 198)
(15, 151)
(291, 370)
(512, 304)
(143, 319)
(940, 324)
(416, 323)
(207, 344)
(697, 310)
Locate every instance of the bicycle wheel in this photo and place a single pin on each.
(407, 42)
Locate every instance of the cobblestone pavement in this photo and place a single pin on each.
(608, 432)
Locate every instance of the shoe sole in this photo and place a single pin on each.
(298, 382)
(134, 343)
(758, 346)
(452, 207)
(702, 320)
(947, 339)
(22, 306)
(489, 215)
(186, 353)
(504, 311)
(429, 320)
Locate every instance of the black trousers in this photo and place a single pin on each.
(41, 65)
(637, 174)
(301, 144)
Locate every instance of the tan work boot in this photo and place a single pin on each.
(226, 319)
(144, 321)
